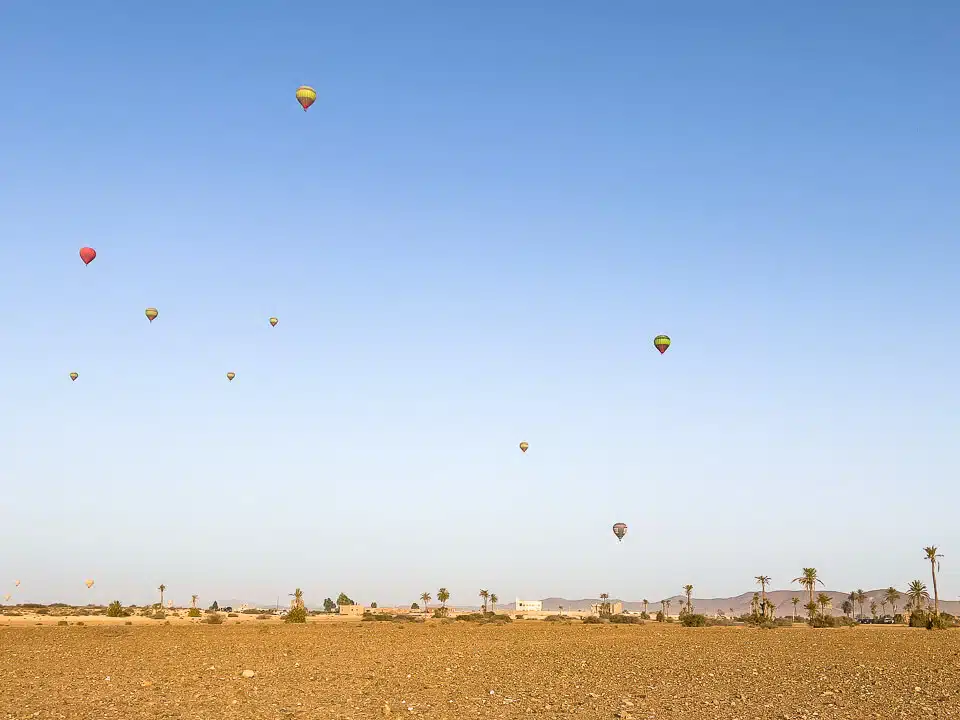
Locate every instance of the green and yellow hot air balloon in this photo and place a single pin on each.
(661, 343)
(273, 322)
(74, 376)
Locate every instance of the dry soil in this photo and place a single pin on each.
(459, 670)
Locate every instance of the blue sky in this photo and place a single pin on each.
(470, 240)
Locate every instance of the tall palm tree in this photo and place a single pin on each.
(883, 605)
(161, 589)
(847, 606)
(861, 598)
(425, 598)
(796, 601)
(493, 602)
(298, 603)
(764, 580)
(485, 594)
(688, 590)
(645, 603)
(808, 579)
(893, 597)
(852, 597)
(823, 600)
(932, 555)
(917, 593)
(193, 601)
(755, 604)
(443, 595)
(873, 608)
(667, 604)
(604, 605)
(663, 607)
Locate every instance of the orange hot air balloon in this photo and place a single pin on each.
(151, 314)
(306, 96)
(231, 376)
(74, 376)
(620, 529)
(89, 584)
(661, 343)
(273, 322)
(87, 254)
(523, 446)
(16, 583)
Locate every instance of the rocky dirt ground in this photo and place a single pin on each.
(460, 670)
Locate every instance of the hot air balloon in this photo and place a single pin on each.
(16, 583)
(89, 584)
(306, 96)
(231, 376)
(523, 446)
(74, 376)
(7, 597)
(151, 314)
(273, 322)
(661, 343)
(87, 254)
(620, 529)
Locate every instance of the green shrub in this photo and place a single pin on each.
(669, 619)
(251, 611)
(296, 615)
(263, 617)
(377, 617)
(720, 622)
(823, 621)
(593, 620)
(42, 610)
(232, 615)
(213, 619)
(518, 617)
(660, 616)
(644, 615)
(159, 615)
(919, 618)
(194, 612)
(470, 617)
(943, 621)
(62, 622)
(693, 620)
(625, 619)
(413, 619)
(115, 610)
(556, 618)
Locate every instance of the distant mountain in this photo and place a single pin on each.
(740, 604)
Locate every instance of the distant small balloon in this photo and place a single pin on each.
(231, 376)
(523, 446)
(661, 343)
(89, 584)
(74, 376)
(7, 597)
(16, 583)
(273, 322)
(620, 529)
(151, 314)
(87, 254)
(306, 96)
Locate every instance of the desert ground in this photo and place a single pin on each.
(449, 669)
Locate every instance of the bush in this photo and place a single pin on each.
(128, 622)
(693, 620)
(625, 619)
(213, 619)
(42, 610)
(377, 617)
(413, 619)
(115, 609)
(440, 613)
(720, 622)
(232, 615)
(470, 617)
(660, 616)
(62, 622)
(263, 617)
(918, 618)
(194, 612)
(518, 617)
(830, 621)
(644, 615)
(592, 620)
(943, 621)
(556, 618)
(296, 615)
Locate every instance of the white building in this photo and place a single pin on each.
(529, 605)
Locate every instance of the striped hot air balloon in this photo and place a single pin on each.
(661, 343)
(151, 314)
(273, 322)
(306, 96)
(620, 530)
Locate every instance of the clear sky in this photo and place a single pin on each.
(471, 240)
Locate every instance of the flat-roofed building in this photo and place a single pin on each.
(612, 608)
(529, 605)
(352, 610)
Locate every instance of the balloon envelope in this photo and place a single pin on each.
(524, 446)
(87, 254)
(306, 96)
(7, 596)
(74, 376)
(89, 584)
(620, 529)
(17, 583)
(231, 376)
(661, 343)
(151, 314)
(273, 322)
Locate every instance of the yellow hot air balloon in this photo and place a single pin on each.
(89, 584)
(273, 322)
(151, 314)
(74, 376)
(231, 375)
(306, 96)
(524, 446)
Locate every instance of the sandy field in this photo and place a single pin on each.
(463, 670)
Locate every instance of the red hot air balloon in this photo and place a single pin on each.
(87, 254)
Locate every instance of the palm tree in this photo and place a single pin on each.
(917, 592)
(873, 608)
(485, 594)
(425, 598)
(688, 590)
(796, 601)
(663, 608)
(667, 604)
(764, 580)
(852, 597)
(298, 603)
(161, 589)
(645, 603)
(561, 610)
(932, 555)
(823, 600)
(847, 607)
(883, 606)
(604, 605)
(443, 595)
(893, 597)
(808, 579)
(811, 609)
(755, 604)
(861, 598)
(493, 602)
